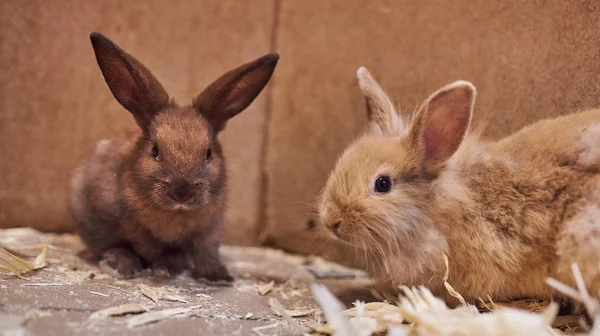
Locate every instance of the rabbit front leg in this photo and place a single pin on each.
(144, 243)
(123, 261)
(171, 263)
(207, 262)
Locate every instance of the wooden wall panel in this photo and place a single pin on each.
(529, 60)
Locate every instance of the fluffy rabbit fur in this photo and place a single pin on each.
(158, 197)
(508, 214)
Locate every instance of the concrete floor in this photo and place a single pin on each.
(61, 298)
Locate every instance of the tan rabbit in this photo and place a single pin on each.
(158, 197)
(508, 214)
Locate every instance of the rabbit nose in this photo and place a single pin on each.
(180, 191)
(335, 228)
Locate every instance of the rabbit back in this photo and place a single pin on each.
(96, 202)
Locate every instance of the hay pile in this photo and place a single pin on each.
(418, 312)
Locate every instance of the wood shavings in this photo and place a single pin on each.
(279, 309)
(333, 309)
(130, 308)
(21, 239)
(264, 289)
(155, 316)
(365, 326)
(11, 264)
(426, 314)
(418, 312)
(149, 292)
(119, 289)
(291, 289)
(566, 290)
(30, 251)
(387, 313)
(41, 284)
(323, 269)
(156, 294)
(300, 312)
(258, 330)
(173, 298)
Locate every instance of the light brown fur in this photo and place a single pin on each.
(508, 214)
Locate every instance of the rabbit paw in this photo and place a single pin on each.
(171, 264)
(215, 273)
(121, 263)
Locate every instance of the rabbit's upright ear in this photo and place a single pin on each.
(441, 124)
(231, 93)
(132, 84)
(381, 113)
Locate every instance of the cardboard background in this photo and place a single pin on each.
(529, 60)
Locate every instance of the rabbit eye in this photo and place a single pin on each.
(155, 151)
(208, 154)
(383, 184)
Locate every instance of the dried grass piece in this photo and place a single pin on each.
(449, 288)
(386, 314)
(566, 290)
(567, 322)
(530, 305)
(155, 316)
(149, 292)
(280, 310)
(300, 312)
(333, 309)
(173, 298)
(156, 294)
(42, 284)
(11, 264)
(99, 294)
(264, 289)
(119, 289)
(418, 312)
(592, 305)
(130, 308)
(40, 260)
(323, 269)
(27, 251)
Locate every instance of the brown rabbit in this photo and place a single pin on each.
(508, 214)
(158, 197)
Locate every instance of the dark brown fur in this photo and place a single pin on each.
(133, 207)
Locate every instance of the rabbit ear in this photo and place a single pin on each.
(132, 84)
(380, 111)
(235, 90)
(441, 124)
